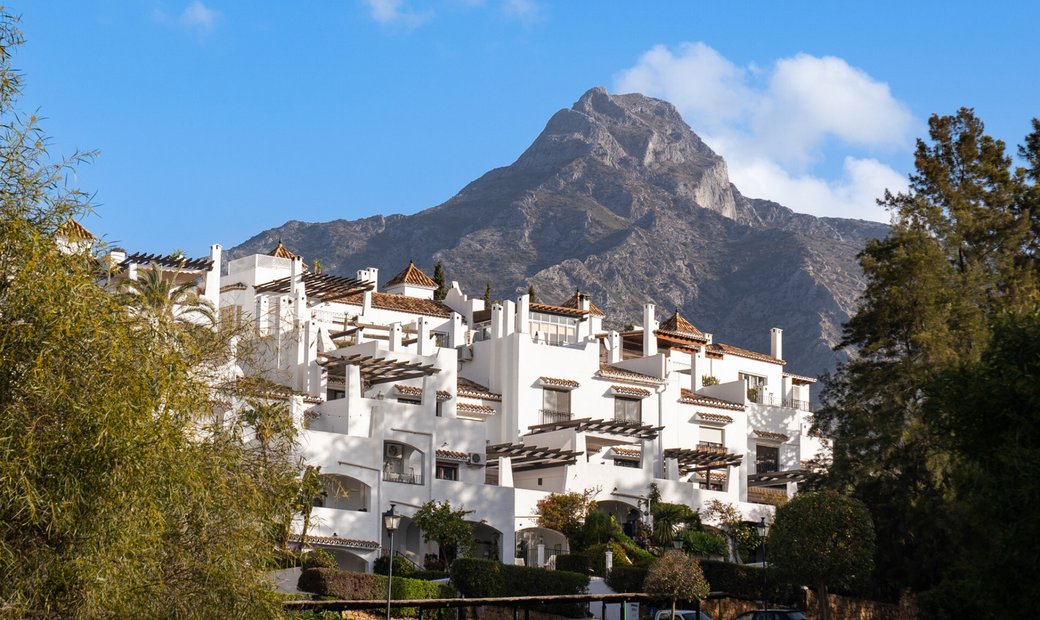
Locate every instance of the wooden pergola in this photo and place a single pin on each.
(588, 425)
(530, 457)
(703, 458)
(377, 370)
(774, 478)
(319, 286)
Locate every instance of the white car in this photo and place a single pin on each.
(681, 614)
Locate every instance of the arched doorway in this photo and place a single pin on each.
(528, 541)
(487, 541)
(344, 493)
(626, 514)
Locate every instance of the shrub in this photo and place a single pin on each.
(402, 567)
(319, 558)
(363, 586)
(479, 578)
(704, 544)
(747, 582)
(573, 562)
(627, 578)
(430, 575)
(597, 556)
(707, 380)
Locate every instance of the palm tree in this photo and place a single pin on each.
(165, 302)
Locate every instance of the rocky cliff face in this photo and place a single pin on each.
(618, 197)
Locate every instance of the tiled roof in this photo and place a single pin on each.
(234, 286)
(414, 276)
(557, 310)
(280, 251)
(452, 455)
(690, 397)
(725, 349)
(471, 389)
(336, 541)
(616, 373)
(556, 381)
(475, 409)
(714, 417)
(400, 303)
(677, 325)
(74, 231)
(629, 451)
(771, 435)
(408, 389)
(626, 390)
(796, 379)
(443, 395)
(573, 302)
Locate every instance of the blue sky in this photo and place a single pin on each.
(216, 119)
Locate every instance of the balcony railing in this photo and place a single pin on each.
(712, 447)
(554, 417)
(402, 477)
(800, 405)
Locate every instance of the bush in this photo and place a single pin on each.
(430, 575)
(477, 577)
(704, 544)
(597, 556)
(318, 558)
(747, 581)
(627, 578)
(402, 567)
(573, 562)
(480, 578)
(363, 586)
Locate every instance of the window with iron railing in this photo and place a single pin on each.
(800, 405)
(767, 459)
(553, 329)
(552, 417)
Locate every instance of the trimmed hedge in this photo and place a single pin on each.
(364, 586)
(629, 578)
(318, 558)
(573, 562)
(747, 582)
(479, 578)
(402, 567)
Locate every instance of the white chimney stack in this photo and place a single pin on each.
(650, 325)
(776, 343)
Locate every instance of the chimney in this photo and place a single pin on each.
(776, 343)
(650, 325)
(369, 275)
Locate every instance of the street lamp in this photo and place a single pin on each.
(391, 521)
(761, 527)
(677, 541)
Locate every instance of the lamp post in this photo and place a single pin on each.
(761, 526)
(391, 521)
(677, 541)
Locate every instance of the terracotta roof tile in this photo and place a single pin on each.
(616, 373)
(557, 310)
(771, 435)
(400, 303)
(725, 349)
(452, 455)
(680, 326)
(556, 381)
(471, 389)
(626, 390)
(74, 231)
(799, 379)
(630, 451)
(475, 409)
(714, 417)
(689, 397)
(280, 251)
(443, 395)
(414, 276)
(573, 302)
(410, 390)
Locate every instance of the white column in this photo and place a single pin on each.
(212, 292)
(395, 337)
(613, 347)
(649, 327)
(424, 344)
(505, 471)
(776, 342)
(523, 314)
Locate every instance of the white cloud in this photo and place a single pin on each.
(397, 13)
(526, 11)
(776, 125)
(196, 17)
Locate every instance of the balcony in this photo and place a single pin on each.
(555, 417)
(711, 447)
(402, 477)
(800, 405)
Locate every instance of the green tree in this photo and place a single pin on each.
(670, 520)
(676, 576)
(530, 293)
(989, 410)
(439, 522)
(823, 539)
(120, 494)
(158, 297)
(565, 513)
(438, 277)
(962, 248)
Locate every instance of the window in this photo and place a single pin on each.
(409, 400)
(626, 463)
(767, 459)
(554, 329)
(440, 409)
(556, 401)
(447, 471)
(332, 394)
(712, 435)
(628, 409)
(755, 387)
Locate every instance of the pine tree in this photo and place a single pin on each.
(953, 260)
(530, 293)
(438, 277)
(487, 295)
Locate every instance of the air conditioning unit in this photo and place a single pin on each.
(393, 451)
(476, 458)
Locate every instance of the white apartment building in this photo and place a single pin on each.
(402, 399)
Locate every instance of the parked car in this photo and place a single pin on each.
(681, 614)
(772, 614)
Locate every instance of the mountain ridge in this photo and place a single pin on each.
(618, 197)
